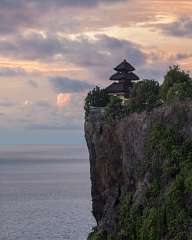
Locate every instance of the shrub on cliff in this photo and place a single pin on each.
(166, 212)
(114, 108)
(179, 91)
(177, 85)
(96, 98)
(144, 96)
(94, 235)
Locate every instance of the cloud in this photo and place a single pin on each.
(18, 4)
(62, 99)
(37, 104)
(68, 85)
(82, 15)
(104, 50)
(54, 118)
(154, 71)
(6, 103)
(96, 55)
(180, 28)
(18, 14)
(31, 47)
(15, 15)
(32, 83)
(43, 103)
(18, 71)
(81, 50)
(11, 72)
(181, 56)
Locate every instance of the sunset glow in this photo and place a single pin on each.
(62, 99)
(59, 50)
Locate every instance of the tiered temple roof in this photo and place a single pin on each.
(123, 79)
(123, 76)
(124, 66)
(118, 88)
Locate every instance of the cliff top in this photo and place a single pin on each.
(145, 96)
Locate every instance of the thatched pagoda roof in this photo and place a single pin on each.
(121, 76)
(124, 78)
(120, 87)
(124, 67)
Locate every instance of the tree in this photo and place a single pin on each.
(176, 84)
(179, 91)
(144, 96)
(96, 98)
(114, 108)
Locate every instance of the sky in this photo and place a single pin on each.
(53, 52)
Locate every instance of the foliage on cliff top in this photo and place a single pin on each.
(145, 95)
(177, 85)
(96, 98)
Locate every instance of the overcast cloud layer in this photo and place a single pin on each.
(53, 52)
(68, 85)
(182, 27)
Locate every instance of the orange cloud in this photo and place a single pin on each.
(32, 66)
(62, 99)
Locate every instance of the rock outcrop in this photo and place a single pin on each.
(124, 173)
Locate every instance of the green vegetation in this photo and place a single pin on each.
(145, 95)
(177, 85)
(96, 98)
(114, 109)
(165, 210)
(166, 213)
(94, 235)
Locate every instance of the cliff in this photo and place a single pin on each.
(141, 174)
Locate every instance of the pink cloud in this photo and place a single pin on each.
(62, 99)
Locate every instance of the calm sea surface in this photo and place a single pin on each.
(44, 193)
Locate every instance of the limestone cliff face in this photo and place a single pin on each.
(118, 161)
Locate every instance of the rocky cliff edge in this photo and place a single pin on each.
(141, 174)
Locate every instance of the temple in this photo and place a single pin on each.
(124, 79)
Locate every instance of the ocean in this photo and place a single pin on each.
(44, 193)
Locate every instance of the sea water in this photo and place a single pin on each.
(44, 193)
